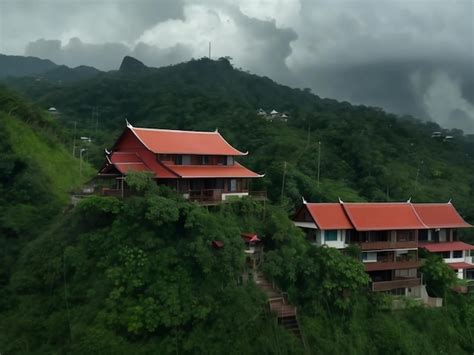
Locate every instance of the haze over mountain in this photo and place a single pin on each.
(19, 66)
(407, 57)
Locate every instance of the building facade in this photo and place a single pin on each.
(441, 237)
(202, 166)
(386, 233)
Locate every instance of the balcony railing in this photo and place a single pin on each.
(216, 195)
(388, 245)
(392, 265)
(400, 283)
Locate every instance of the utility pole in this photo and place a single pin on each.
(319, 161)
(74, 141)
(283, 181)
(309, 136)
(80, 162)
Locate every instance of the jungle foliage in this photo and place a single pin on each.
(140, 276)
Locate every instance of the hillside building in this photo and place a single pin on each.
(441, 237)
(202, 166)
(388, 235)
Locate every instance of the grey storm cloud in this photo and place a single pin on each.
(408, 57)
(105, 56)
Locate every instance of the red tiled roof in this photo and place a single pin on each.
(127, 167)
(460, 266)
(382, 216)
(440, 215)
(164, 141)
(250, 237)
(445, 246)
(329, 216)
(213, 171)
(139, 161)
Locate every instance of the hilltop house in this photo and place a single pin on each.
(441, 238)
(200, 165)
(386, 233)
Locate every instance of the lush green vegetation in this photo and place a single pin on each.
(140, 275)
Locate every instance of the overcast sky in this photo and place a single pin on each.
(407, 56)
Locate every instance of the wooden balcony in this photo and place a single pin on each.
(388, 245)
(392, 265)
(399, 283)
(209, 196)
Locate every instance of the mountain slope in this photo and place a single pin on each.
(366, 154)
(17, 66)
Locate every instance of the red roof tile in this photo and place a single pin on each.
(163, 141)
(124, 168)
(329, 216)
(139, 161)
(382, 216)
(250, 237)
(456, 266)
(445, 246)
(213, 171)
(440, 215)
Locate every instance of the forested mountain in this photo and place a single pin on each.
(140, 276)
(18, 66)
(42, 69)
(366, 154)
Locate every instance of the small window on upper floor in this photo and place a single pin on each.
(205, 160)
(330, 235)
(457, 254)
(230, 160)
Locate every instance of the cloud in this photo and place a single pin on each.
(414, 57)
(254, 44)
(105, 56)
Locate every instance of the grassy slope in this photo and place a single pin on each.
(55, 162)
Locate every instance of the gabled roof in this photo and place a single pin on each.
(329, 216)
(125, 162)
(382, 216)
(212, 171)
(445, 246)
(440, 215)
(166, 141)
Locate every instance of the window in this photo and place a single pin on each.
(365, 256)
(232, 185)
(205, 160)
(457, 254)
(183, 159)
(445, 254)
(330, 235)
(230, 160)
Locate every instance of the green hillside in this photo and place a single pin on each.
(366, 154)
(139, 275)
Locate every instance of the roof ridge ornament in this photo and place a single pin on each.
(217, 130)
(340, 201)
(304, 201)
(128, 123)
(409, 200)
(106, 151)
(449, 202)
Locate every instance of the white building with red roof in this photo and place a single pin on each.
(441, 237)
(388, 236)
(200, 165)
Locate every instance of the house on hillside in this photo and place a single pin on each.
(386, 233)
(202, 166)
(441, 238)
(389, 235)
